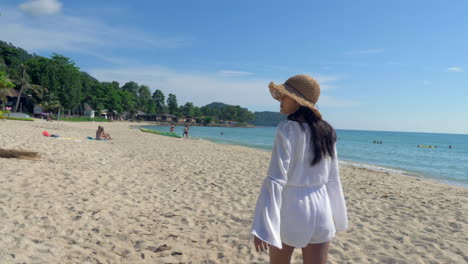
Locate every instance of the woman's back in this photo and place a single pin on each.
(301, 172)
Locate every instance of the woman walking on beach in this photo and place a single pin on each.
(301, 203)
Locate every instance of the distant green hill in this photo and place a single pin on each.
(267, 118)
(227, 112)
(217, 105)
(264, 118)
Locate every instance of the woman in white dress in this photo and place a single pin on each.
(301, 203)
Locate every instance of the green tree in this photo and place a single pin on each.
(50, 102)
(131, 87)
(5, 84)
(25, 85)
(129, 102)
(197, 112)
(188, 110)
(44, 72)
(11, 58)
(144, 95)
(151, 109)
(159, 100)
(69, 78)
(208, 111)
(112, 97)
(207, 120)
(88, 83)
(172, 104)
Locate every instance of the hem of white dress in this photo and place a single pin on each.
(254, 233)
(322, 241)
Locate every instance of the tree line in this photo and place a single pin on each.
(57, 83)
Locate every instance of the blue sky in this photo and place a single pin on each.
(382, 65)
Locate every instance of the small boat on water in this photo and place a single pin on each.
(423, 146)
(168, 134)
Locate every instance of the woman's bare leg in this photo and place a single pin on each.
(315, 253)
(280, 256)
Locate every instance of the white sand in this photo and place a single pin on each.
(144, 198)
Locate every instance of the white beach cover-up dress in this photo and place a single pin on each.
(299, 203)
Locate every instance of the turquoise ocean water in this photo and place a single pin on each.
(399, 151)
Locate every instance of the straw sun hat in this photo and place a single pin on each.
(304, 89)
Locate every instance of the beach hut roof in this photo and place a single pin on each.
(87, 107)
(167, 115)
(10, 92)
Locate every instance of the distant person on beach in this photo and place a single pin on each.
(301, 202)
(98, 132)
(101, 134)
(172, 127)
(186, 129)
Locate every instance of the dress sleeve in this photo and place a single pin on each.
(266, 223)
(336, 196)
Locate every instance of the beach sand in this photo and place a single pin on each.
(145, 198)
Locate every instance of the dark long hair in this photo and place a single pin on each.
(323, 135)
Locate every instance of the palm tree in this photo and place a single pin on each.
(50, 102)
(25, 85)
(5, 84)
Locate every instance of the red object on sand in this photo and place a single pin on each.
(45, 133)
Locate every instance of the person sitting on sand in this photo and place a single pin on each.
(101, 134)
(98, 132)
(105, 135)
(301, 203)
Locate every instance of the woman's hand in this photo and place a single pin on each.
(260, 245)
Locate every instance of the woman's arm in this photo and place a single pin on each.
(266, 224)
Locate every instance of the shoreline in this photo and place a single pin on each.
(399, 171)
(370, 166)
(168, 124)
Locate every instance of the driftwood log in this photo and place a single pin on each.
(18, 154)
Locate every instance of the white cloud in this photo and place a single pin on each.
(331, 101)
(324, 80)
(455, 69)
(78, 34)
(234, 73)
(202, 88)
(41, 7)
(367, 51)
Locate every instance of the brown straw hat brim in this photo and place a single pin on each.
(279, 90)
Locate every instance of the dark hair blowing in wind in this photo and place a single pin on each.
(323, 135)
